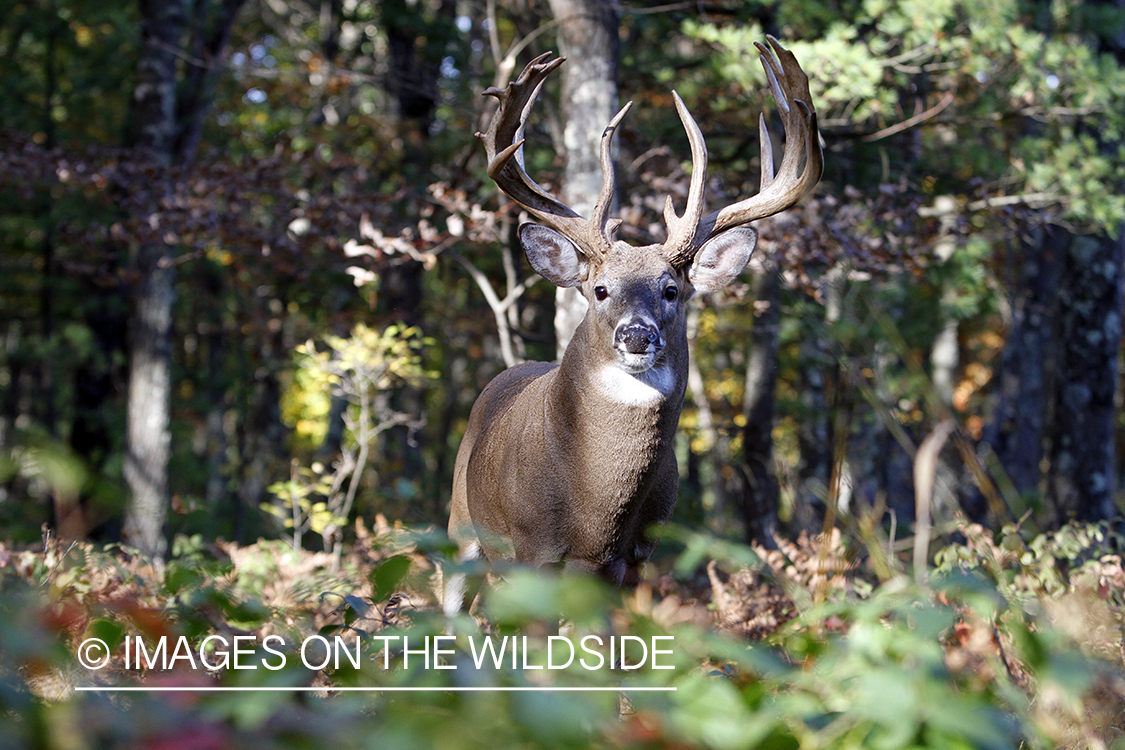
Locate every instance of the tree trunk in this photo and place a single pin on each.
(166, 125)
(209, 40)
(1082, 480)
(944, 351)
(1058, 376)
(147, 435)
(416, 34)
(97, 379)
(415, 42)
(760, 495)
(944, 361)
(1018, 429)
(589, 42)
(714, 495)
(820, 385)
(154, 121)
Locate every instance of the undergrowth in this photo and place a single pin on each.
(1006, 643)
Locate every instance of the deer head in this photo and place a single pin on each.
(570, 463)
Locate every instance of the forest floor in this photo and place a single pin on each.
(796, 601)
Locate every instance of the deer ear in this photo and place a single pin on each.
(553, 256)
(722, 258)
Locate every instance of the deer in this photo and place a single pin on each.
(569, 464)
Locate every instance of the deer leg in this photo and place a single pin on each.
(461, 587)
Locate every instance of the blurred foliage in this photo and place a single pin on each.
(1054, 100)
(965, 662)
(360, 370)
(356, 368)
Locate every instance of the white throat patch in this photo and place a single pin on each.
(635, 390)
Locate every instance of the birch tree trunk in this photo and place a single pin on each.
(588, 40)
(166, 119)
(147, 435)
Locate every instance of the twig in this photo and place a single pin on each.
(910, 121)
(499, 306)
(925, 472)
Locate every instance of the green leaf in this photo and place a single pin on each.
(386, 578)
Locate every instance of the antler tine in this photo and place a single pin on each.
(504, 149)
(790, 87)
(680, 245)
(608, 227)
(505, 140)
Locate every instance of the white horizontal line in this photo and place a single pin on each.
(308, 689)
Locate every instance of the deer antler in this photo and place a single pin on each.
(790, 87)
(503, 145)
(801, 166)
(680, 247)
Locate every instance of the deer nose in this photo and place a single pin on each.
(636, 337)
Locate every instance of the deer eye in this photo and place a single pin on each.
(601, 292)
(670, 293)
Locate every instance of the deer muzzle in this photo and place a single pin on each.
(638, 344)
(636, 338)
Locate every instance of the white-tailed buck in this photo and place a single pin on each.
(570, 463)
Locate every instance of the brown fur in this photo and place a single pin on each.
(565, 473)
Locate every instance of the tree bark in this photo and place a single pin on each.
(166, 126)
(147, 434)
(97, 378)
(1018, 429)
(819, 384)
(588, 39)
(154, 121)
(944, 361)
(760, 495)
(944, 351)
(415, 42)
(1082, 478)
(1058, 376)
(416, 34)
(209, 40)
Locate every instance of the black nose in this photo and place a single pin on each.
(636, 337)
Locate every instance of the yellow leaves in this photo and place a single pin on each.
(88, 36)
(708, 319)
(992, 340)
(83, 35)
(354, 367)
(298, 491)
(305, 404)
(222, 257)
(311, 429)
(975, 377)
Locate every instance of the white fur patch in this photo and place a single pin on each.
(454, 593)
(636, 390)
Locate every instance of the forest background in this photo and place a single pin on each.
(254, 273)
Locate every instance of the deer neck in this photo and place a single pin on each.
(613, 425)
(600, 396)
